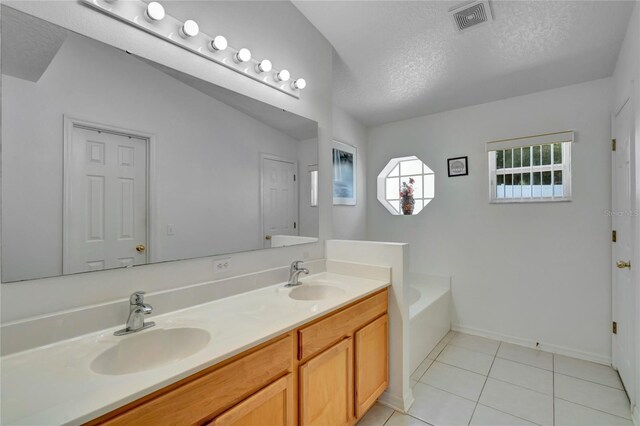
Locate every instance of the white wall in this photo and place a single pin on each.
(206, 179)
(274, 29)
(627, 84)
(349, 222)
(524, 272)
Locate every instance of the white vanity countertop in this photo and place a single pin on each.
(55, 385)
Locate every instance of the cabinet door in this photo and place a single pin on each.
(271, 406)
(326, 387)
(372, 363)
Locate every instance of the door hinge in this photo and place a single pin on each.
(614, 237)
(615, 327)
(294, 178)
(613, 144)
(294, 225)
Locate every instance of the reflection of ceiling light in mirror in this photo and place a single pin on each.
(189, 29)
(243, 55)
(218, 43)
(154, 12)
(283, 76)
(264, 66)
(299, 84)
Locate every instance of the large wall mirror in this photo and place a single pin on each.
(110, 160)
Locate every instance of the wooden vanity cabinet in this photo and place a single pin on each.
(371, 363)
(344, 363)
(271, 406)
(328, 372)
(326, 387)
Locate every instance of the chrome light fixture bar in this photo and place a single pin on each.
(153, 19)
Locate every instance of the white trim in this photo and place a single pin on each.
(523, 141)
(265, 156)
(69, 123)
(399, 404)
(635, 415)
(556, 349)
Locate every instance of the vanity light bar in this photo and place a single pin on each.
(187, 35)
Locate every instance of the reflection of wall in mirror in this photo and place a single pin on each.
(207, 157)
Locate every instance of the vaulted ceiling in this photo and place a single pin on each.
(401, 59)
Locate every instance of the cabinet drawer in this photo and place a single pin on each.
(271, 406)
(325, 332)
(203, 398)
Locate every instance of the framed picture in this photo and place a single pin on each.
(345, 160)
(458, 166)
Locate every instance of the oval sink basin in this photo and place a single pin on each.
(150, 349)
(315, 292)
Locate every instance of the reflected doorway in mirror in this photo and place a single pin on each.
(105, 198)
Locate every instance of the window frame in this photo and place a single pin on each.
(565, 139)
(385, 174)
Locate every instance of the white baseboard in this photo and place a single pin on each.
(397, 403)
(556, 349)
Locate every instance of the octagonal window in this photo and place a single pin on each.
(405, 186)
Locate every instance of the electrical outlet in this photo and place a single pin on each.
(222, 265)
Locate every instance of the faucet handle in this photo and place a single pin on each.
(137, 298)
(295, 265)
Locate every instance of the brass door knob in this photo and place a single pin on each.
(623, 264)
(267, 237)
(140, 248)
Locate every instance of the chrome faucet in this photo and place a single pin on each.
(137, 310)
(294, 273)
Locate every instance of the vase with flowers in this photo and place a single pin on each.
(406, 197)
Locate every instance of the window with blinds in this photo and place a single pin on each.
(531, 169)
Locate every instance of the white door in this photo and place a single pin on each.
(279, 205)
(105, 201)
(624, 284)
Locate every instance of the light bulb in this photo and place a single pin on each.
(243, 55)
(264, 66)
(218, 43)
(189, 29)
(299, 84)
(154, 12)
(283, 76)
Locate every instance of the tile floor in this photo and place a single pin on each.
(470, 380)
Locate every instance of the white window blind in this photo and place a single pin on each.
(531, 168)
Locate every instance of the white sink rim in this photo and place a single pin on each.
(316, 291)
(150, 349)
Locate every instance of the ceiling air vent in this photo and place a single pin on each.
(471, 15)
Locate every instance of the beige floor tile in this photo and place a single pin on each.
(517, 401)
(487, 416)
(598, 373)
(529, 356)
(533, 378)
(570, 414)
(455, 380)
(440, 408)
(476, 343)
(592, 395)
(376, 416)
(465, 358)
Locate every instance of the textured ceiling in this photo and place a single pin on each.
(401, 59)
(28, 44)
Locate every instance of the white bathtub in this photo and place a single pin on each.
(429, 315)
